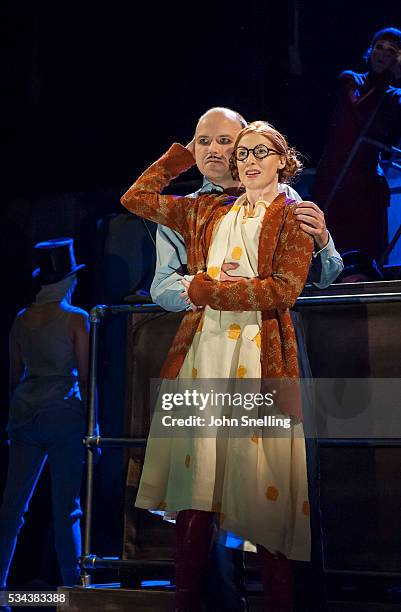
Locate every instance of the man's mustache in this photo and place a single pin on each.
(209, 157)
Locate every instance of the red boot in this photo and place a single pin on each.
(277, 580)
(195, 530)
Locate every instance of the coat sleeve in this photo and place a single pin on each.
(143, 197)
(278, 291)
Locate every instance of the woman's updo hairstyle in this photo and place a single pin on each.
(293, 163)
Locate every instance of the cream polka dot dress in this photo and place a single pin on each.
(256, 482)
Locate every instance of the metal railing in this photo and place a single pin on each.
(89, 560)
(151, 567)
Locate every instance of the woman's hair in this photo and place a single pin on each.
(293, 163)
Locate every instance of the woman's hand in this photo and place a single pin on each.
(224, 277)
(226, 267)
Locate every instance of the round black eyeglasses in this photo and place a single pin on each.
(259, 152)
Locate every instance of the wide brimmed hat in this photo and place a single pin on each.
(55, 260)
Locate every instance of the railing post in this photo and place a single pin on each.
(94, 317)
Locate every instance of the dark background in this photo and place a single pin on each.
(92, 92)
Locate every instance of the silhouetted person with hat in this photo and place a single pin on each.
(350, 185)
(48, 380)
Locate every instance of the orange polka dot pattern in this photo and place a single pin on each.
(272, 493)
(258, 340)
(241, 371)
(213, 271)
(234, 331)
(236, 253)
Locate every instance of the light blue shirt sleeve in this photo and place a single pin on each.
(327, 263)
(171, 256)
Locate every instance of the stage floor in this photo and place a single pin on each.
(112, 598)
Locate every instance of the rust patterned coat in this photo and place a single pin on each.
(284, 256)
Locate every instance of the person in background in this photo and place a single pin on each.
(350, 184)
(49, 344)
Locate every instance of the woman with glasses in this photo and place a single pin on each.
(253, 484)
